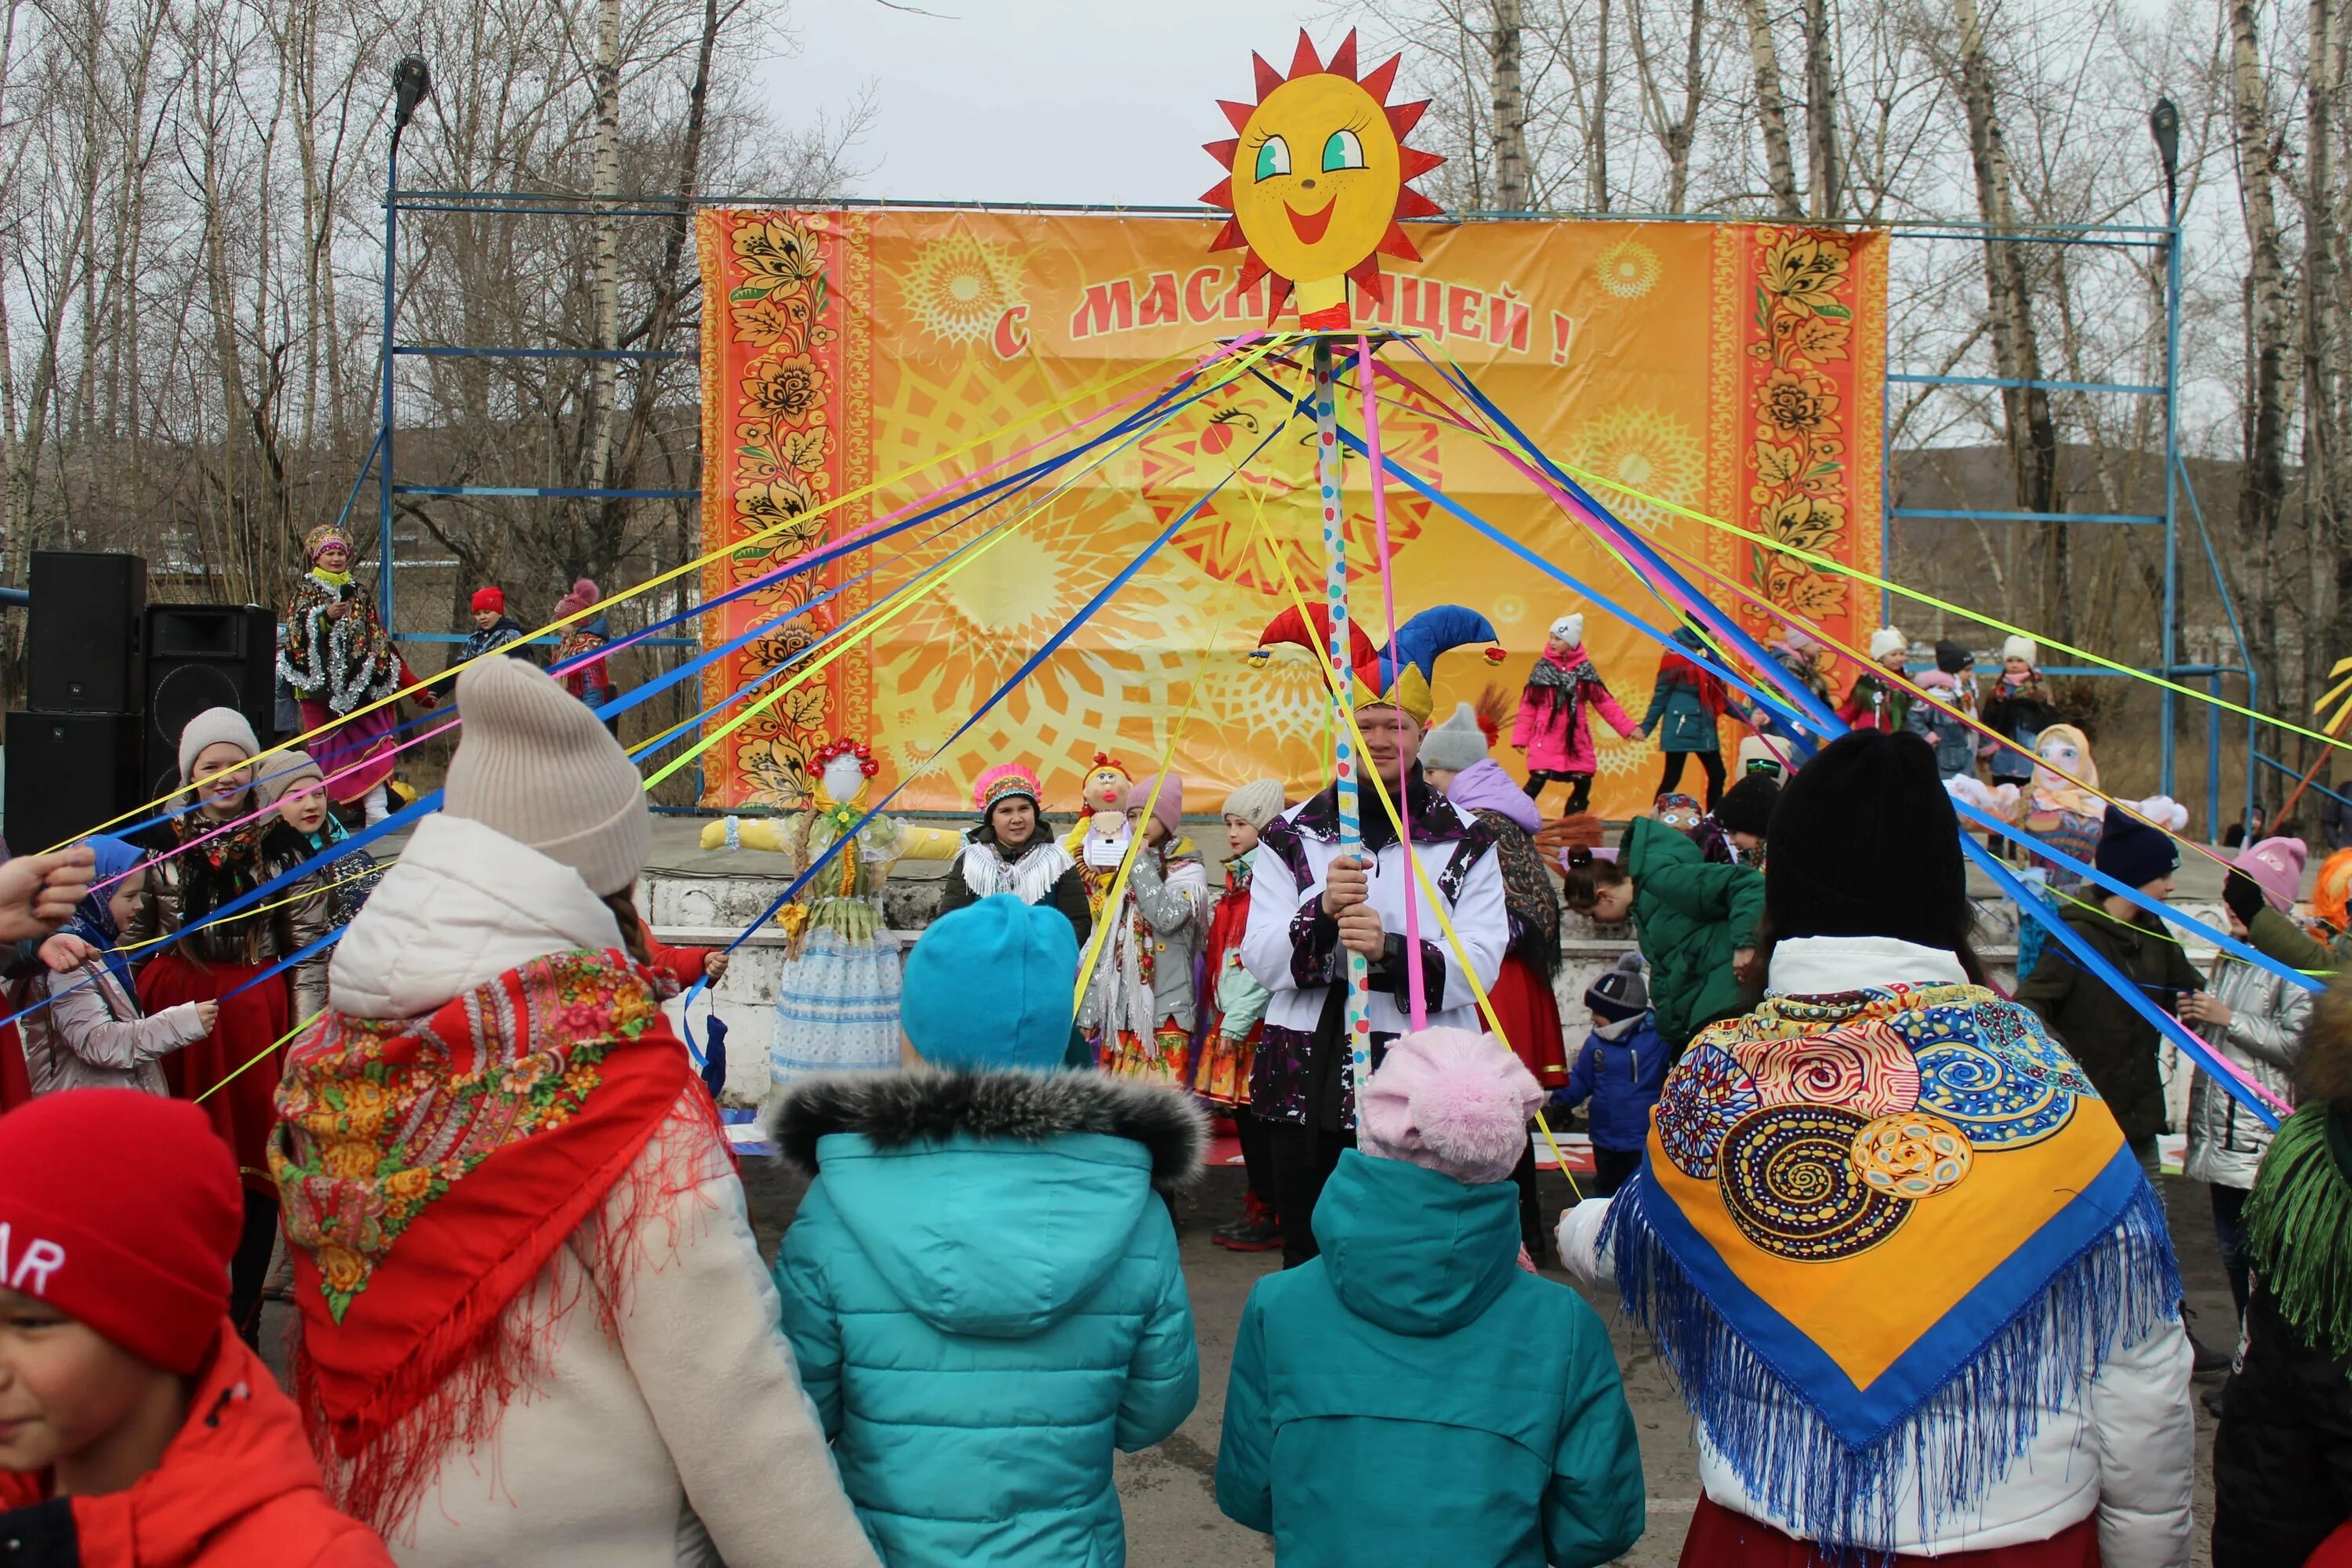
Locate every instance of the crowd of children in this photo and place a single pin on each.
(526, 1280)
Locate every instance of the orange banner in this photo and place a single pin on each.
(1733, 368)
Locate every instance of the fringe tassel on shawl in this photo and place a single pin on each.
(2298, 1230)
(1958, 1443)
(502, 1358)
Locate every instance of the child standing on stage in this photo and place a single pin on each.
(1384, 1406)
(981, 1285)
(1238, 1012)
(1554, 727)
(1142, 997)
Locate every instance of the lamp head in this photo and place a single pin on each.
(2164, 124)
(411, 84)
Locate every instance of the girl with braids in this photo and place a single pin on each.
(216, 851)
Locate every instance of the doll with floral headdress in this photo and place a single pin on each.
(838, 998)
(338, 662)
(1098, 841)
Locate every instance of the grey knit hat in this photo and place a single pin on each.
(283, 770)
(1256, 802)
(1457, 743)
(214, 727)
(535, 763)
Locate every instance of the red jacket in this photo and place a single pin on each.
(236, 1488)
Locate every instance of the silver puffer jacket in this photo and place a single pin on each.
(2264, 1036)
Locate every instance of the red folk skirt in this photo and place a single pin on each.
(15, 1077)
(1719, 1538)
(251, 1025)
(1529, 1015)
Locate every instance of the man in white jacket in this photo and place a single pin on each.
(1310, 905)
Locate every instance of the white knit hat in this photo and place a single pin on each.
(1256, 802)
(282, 772)
(1457, 743)
(534, 763)
(214, 727)
(1569, 629)
(1886, 640)
(2020, 647)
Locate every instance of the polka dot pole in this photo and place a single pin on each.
(1345, 765)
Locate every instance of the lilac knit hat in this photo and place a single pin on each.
(1449, 1100)
(1168, 808)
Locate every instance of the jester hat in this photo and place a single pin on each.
(1313, 632)
(1407, 669)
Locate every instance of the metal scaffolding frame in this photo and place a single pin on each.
(382, 454)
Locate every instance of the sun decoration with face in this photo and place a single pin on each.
(1319, 178)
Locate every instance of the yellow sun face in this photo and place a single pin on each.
(1315, 182)
(1319, 176)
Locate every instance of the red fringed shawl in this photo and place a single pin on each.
(430, 1168)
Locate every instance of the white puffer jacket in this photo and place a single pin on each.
(2127, 1454)
(2264, 1037)
(685, 1438)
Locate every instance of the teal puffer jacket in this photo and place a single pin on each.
(981, 1287)
(1412, 1397)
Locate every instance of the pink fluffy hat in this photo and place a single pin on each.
(1449, 1100)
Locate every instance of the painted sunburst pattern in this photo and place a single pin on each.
(1218, 440)
(1628, 269)
(1647, 451)
(959, 286)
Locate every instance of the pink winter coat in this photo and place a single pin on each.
(1555, 731)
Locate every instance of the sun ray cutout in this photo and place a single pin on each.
(1318, 179)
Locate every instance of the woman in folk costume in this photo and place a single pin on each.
(1310, 906)
(534, 1325)
(1454, 760)
(838, 998)
(1097, 841)
(1914, 1285)
(212, 854)
(1237, 1017)
(1554, 726)
(1141, 999)
(1686, 708)
(340, 662)
(1013, 851)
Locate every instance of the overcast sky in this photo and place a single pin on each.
(1042, 101)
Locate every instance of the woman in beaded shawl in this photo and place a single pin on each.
(339, 663)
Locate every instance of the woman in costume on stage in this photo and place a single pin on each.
(837, 998)
(339, 661)
(1141, 995)
(1013, 851)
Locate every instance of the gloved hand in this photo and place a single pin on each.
(2243, 895)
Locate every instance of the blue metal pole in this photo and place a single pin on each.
(384, 472)
(2171, 707)
(2213, 761)
(1886, 497)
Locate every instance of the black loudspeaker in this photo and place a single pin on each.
(69, 773)
(200, 657)
(83, 636)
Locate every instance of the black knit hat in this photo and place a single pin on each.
(1952, 658)
(1866, 843)
(2132, 852)
(1746, 807)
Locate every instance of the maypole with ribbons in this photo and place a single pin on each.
(1344, 753)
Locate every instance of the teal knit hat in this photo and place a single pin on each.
(990, 985)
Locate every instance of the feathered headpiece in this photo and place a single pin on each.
(1003, 784)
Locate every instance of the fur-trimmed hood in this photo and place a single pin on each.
(992, 1203)
(2325, 1070)
(929, 1105)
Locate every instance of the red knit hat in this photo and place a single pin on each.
(139, 1254)
(494, 600)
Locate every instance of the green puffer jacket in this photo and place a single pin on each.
(1414, 1397)
(982, 1291)
(2117, 1047)
(1691, 915)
